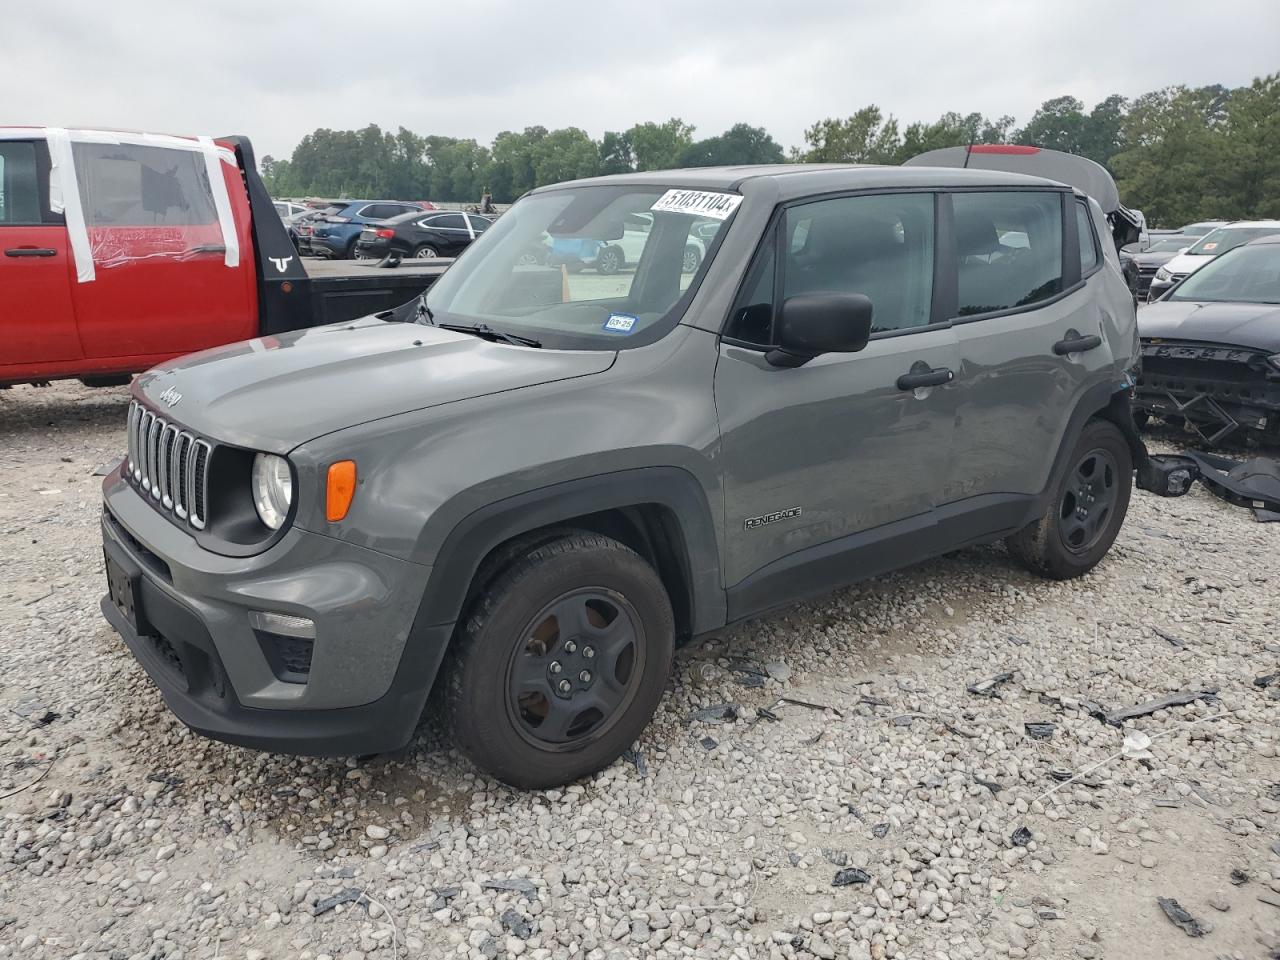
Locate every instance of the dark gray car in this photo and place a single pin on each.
(1211, 348)
(541, 481)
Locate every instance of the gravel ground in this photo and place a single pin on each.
(909, 818)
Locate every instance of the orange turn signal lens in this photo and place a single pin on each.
(341, 489)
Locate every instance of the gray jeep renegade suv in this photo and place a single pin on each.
(525, 487)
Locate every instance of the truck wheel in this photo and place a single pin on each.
(425, 252)
(610, 260)
(561, 663)
(1090, 500)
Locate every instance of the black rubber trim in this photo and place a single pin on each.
(671, 487)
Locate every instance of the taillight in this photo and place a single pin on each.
(385, 234)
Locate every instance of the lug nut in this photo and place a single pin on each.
(585, 676)
(588, 652)
(570, 646)
(564, 686)
(555, 666)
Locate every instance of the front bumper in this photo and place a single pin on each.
(1158, 288)
(1218, 390)
(371, 667)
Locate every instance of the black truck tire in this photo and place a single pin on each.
(1088, 506)
(562, 661)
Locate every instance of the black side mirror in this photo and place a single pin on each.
(811, 324)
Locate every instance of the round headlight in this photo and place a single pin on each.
(272, 488)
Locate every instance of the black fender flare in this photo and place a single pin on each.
(476, 535)
(1109, 400)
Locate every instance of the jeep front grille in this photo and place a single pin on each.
(168, 465)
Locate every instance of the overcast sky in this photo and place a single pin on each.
(471, 68)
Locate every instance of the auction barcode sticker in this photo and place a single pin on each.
(702, 203)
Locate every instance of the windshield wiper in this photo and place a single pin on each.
(487, 332)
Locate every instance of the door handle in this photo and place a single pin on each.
(1074, 343)
(30, 252)
(927, 377)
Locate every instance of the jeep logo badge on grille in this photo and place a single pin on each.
(170, 397)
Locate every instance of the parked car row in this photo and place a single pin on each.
(1213, 244)
(420, 234)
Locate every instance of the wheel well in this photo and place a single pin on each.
(1120, 412)
(649, 529)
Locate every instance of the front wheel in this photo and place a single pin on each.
(692, 259)
(610, 260)
(1090, 500)
(562, 662)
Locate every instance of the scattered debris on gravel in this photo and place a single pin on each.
(1024, 808)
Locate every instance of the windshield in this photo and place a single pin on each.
(1249, 275)
(1167, 246)
(1219, 241)
(1197, 229)
(594, 267)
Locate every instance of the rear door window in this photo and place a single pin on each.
(123, 185)
(19, 183)
(1008, 249)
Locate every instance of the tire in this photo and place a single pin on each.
(501, 695)
(610, 260)
(425, 252)
(1090, 500)
(692, 260)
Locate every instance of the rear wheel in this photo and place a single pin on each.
(1089, 504)
(562, 662)
(692, 259)
(425, 252)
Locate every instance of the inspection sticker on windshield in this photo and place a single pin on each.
(703, 203)
(619, 323)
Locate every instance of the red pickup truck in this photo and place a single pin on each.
(121, 250)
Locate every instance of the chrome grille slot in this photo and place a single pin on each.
(181, 448)
(167, 437)
(170, 464)
(131, 438)
(144, 439)
(153, 455)
(197, 510)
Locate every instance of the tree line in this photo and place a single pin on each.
(1178, 154)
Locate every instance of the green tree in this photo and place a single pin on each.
(658, 146)
(616, 155)
(740, 144)
(865, 137)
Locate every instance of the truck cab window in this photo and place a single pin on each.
(19, 185)
(123, 185)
